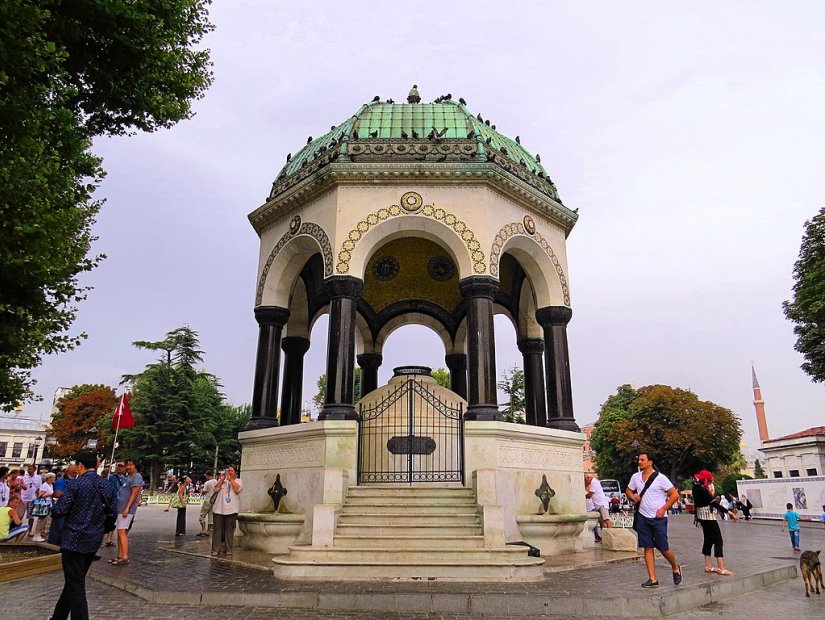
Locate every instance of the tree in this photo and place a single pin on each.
(83, 407)
(807, 308)
(758, 471)
(321, 395)
(179, 410)
(729, 483)
(513, 385)
(442, 377)
(70, 71)
(682, 433)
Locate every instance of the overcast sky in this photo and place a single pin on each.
(691, 137)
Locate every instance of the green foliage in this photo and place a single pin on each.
(807, 308)
(321, 394)
(179, 410)
(729, 483)
(758, 470)
(682, 433)
(442, 377)
(70, 71)
(513, 385)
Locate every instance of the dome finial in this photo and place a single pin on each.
(414, 97)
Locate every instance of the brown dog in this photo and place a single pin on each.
(811, 569)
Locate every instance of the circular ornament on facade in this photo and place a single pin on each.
(295, 224)
(411, 201)
(529, 225)
(386, 268)
(440, 268)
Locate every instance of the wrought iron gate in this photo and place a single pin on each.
(410, 436)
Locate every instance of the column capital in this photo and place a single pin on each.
(554, 315)
(457, 361)
(531, 345)
(369, 360)
(271, 315)
(297, 345)
(343, 286)
(478, 286)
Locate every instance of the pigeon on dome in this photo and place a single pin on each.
(414, 97)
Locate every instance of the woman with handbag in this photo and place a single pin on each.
(707, 504)
(179, 501)
(42, 508)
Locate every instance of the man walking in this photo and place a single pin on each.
(31, 485)
(83, 505)
(654, 494)
(128, 498)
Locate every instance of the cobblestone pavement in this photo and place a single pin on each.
(750, 547)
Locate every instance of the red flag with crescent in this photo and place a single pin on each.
(123, 414)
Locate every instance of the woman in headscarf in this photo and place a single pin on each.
(707, 504)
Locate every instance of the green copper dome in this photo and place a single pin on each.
(442, 132)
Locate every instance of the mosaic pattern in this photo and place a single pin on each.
(468, 237)
(517, 228)
(305, 228)
(440, 268)
(386, 268)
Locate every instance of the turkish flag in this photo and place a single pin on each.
(123, 414)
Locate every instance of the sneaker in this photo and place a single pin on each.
(38, 539)
(650, 584)
(677, 576)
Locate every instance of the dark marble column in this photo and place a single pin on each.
(535, 407)
(343, 292)
(369, 364)
(271, 321)
(294, 348)
(482, 398)
(553, 320)
(457, 365)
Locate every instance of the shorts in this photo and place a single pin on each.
(603, 514)
(652, 533)
(123, 523)
(16, 531)
(206, 511)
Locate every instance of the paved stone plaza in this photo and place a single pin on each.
(180, 573)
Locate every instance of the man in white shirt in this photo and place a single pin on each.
(31, 485)
(205, 517)
(594, 492)
(652, 521)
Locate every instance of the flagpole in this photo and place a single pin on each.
(119, 414)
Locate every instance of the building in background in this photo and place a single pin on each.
(21, 439)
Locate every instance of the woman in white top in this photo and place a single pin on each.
(45, 491)
(225, 510)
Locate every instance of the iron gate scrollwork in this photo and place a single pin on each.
(411, 435)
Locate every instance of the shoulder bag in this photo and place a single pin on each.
(109, 516)
(639, 503)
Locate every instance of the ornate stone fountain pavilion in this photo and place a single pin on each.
(415, 213)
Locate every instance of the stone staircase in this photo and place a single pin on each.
(392, 532)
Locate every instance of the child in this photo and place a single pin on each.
(792, 519)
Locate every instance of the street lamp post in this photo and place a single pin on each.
(37, 443)
(91, 444)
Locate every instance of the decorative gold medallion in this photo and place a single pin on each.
(411, 202)
(529, 225)
(295, 224)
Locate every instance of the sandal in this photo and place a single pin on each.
(119, 562)
(214, 554)
(725, 573)
(710, 569)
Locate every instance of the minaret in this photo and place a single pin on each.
(759, 405)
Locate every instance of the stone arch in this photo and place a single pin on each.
(413, 318)
(298, 323)
(288, 257)
(514, 239)
(391, 222)
(527, 325)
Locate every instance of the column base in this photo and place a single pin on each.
(564, 424)
(486, 413)
(338, 411)
(256, 424)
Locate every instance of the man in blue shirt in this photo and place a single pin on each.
(83, 506)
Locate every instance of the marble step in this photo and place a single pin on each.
(410, 509)
(393, 554)
(407, 530)
(417, 541)
(412, 500)
(409, 518)
(402, 491)
(530, 569)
